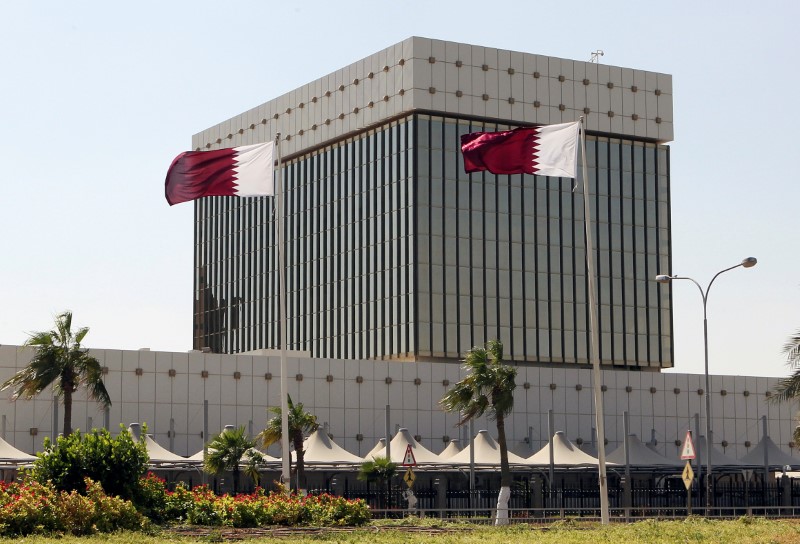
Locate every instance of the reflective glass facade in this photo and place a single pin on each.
(394, 252)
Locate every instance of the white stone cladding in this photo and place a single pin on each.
(350, 396)
(422, 74)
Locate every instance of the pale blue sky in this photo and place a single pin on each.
(96, 98)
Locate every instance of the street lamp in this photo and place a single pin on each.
(749, 262)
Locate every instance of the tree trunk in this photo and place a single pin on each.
(300, 454)
(67, 410)
(501, 517)
(236, 479)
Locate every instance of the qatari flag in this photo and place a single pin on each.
(550, 150)
(236, 171)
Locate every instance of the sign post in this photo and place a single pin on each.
(409, 477)
(687, 454)
(408, 459)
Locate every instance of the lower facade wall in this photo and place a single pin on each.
(167, 390)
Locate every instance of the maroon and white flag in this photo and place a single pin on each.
(235, 171)
(550, 150)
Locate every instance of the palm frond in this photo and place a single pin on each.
(300, 424)
(226, 450)
(792, 350)
(787, 388)
(59, 362)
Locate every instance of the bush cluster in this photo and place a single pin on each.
(200, 506)
(93, 482)
(33, 508)
(116, 463)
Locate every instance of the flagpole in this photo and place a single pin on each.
(284, 335)
(595, 336)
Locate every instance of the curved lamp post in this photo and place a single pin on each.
(749, 262)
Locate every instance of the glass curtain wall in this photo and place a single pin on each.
(348, 254)
(504, 256)
(394, 252)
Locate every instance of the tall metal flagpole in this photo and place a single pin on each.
(595, 336)
(284, 334)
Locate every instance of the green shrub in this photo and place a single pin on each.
(117, 464)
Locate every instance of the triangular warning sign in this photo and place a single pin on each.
(408, 458)
(687, 452)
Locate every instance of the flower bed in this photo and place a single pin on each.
(200, 506)
(33, 508)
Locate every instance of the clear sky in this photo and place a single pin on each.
(96, 99)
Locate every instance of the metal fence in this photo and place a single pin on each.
(527, 503)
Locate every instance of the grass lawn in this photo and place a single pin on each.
(669, 532)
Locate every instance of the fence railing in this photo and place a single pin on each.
(526, 503)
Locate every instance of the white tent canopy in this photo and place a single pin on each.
(9, 455)
(378, 451)
(775, 455)
(321, 450)
(157, 453)
(398, 445)
(565, 454)
(451, 449)
(639, 455)
(487, 452)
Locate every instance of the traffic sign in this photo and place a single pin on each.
(688, 475)
(409, 477)
(687, 452)
(408, 458)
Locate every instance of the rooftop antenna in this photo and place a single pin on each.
(596, 55)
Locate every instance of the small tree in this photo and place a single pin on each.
(116, 463)
(226, 451)
(380, 470)
(62, 362)
(300, 424)
(487, 388)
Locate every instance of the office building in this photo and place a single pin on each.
(393, 252)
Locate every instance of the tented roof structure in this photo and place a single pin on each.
(776, 457)
(378, 451)
(159, 455)
(718, 459)
(451, 449)
(487, 452)
(589, 448)
(321, 450)
(639, 455)
(398, 445)
(9, 455)
(565, 454)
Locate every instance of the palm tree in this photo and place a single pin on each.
(789, 387)
(487, 388)
(300, 424)
(380, 470)
(60, 361)
(226, 451)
